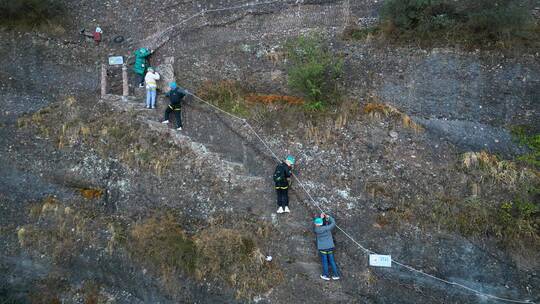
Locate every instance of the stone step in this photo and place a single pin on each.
(233, 172)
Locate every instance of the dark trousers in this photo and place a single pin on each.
(282, 197)
(140, 79)
(177, 115)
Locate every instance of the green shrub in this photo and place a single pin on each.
(314, 71)
(518, 220)
(457, 20)
(532, 141)
(497, 19)
(29, 12)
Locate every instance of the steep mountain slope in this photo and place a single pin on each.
(102, 203)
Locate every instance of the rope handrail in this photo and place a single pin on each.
(362, 247)
(205, 11)
(266, 145)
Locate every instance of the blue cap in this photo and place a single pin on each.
(290, 159)
(172, 85)
(318, 221)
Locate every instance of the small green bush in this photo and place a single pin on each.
(532, 141)
(497, 19)
(518, 220)
(29, 12)
(314, 71)
(465, 21)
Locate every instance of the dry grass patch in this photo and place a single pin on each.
(228, 255)
(57, 231)
(325, 127)
(227, 95)
(99, 128)
(377, 110)
(233, 256)
(501, 171)
(269, 99)
(91, 193)
(162, 242)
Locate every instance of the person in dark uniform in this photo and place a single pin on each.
(281, 180)
(176, 95)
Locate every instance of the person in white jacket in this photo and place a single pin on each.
(151, 79)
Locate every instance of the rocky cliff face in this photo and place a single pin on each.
(469, 98)
(100, 202)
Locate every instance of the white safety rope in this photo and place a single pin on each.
(204, 11)
(266, 145)
(365, 249)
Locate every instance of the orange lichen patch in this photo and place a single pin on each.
(254, 98)
(90, 193)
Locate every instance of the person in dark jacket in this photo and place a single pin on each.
(281, 180)
(176, 95)
(325, 245)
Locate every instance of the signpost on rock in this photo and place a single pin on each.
(380, 260)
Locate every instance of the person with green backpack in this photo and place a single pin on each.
(281, 180)
(141, 64)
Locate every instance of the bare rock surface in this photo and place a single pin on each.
(363, 172)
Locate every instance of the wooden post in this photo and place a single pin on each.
(103, 80)
(347, 13)
(125, 85)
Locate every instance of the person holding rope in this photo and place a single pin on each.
(176, 95)
(281, 180)
(325, 245)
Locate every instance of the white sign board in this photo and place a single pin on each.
(116, 60)
(380, 260)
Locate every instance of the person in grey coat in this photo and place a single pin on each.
(325, 245)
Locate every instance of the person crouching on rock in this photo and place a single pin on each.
(151, 79)
(325, 245)
(176, 95)
(281, 180)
